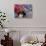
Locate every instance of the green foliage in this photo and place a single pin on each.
(2, 18)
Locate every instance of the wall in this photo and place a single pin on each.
(24, 26)
(39, 13)
(37, 23)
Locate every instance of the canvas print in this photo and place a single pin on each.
(23, 10)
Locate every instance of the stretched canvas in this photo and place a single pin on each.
(23, 10)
